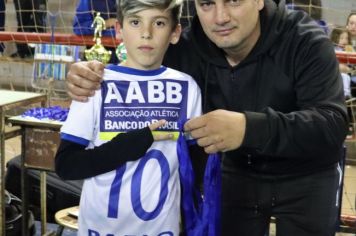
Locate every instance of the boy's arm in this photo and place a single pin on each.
(73, 161)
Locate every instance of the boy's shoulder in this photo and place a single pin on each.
(180, 75)
(111, 72)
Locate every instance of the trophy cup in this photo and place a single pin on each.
(98, 52)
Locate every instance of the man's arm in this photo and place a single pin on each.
(319, 126)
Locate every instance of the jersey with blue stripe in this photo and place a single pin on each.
(141, 197)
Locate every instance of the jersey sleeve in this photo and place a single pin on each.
(194, 106)
(80, 124)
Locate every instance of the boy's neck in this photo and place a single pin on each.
(124, 64)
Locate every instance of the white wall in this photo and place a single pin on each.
(335, 12)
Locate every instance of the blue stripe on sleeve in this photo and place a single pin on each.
(74, 139)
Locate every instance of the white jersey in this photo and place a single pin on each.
(142, 197)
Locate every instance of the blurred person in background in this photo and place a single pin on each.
(31, 17)
(341, 39)
(351, 27)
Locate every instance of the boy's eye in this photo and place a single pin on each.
(134, 22)
(160, 23)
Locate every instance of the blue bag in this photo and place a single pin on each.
(201, 212)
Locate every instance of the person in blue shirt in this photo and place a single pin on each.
(85, 15)
(84, 18)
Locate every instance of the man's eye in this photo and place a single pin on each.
(235, 2)
(206, 5)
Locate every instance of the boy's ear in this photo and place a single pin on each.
(118, 31)
(176, 34)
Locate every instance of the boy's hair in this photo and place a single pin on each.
(129, 7)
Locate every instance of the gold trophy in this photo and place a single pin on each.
(98, 52)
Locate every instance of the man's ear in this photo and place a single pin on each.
(118, 31)
(176, 34)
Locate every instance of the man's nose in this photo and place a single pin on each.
(222, 14)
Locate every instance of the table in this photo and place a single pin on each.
(39, 143)
(8, 101)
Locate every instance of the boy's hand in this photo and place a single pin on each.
(83, 79)
(160, 136)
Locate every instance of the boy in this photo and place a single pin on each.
(128, 191)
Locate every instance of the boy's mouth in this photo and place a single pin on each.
(145, 48)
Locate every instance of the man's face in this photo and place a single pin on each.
(230, 24)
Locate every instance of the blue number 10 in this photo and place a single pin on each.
(136, 187)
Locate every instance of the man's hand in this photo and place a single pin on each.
(160, 136)
(83, 79)
(218, 131)
(111, 22)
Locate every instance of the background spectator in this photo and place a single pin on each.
(340, 38)
(31, 17)
(351, 27)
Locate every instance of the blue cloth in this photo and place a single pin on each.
(53, 113)
(201, 213)
(84, 16)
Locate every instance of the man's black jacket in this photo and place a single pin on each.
(289, 87)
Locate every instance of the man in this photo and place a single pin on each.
(274, 107)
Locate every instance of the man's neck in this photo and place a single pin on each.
(238, 53)
(234, 58)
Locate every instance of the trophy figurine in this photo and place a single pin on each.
(98, 52)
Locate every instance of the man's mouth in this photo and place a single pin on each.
(224, 31)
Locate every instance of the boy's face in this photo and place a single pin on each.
(147, 35)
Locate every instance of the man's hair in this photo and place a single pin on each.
(130, 7)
